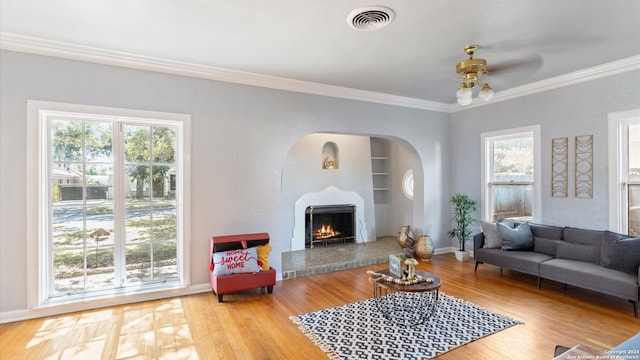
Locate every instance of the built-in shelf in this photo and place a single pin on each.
(380, 170)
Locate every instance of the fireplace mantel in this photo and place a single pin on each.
(329, 196)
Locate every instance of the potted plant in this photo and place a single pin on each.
(463, 209)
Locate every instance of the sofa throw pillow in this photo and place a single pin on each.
(236, 261)
(263, 256)
(492, 237)
(582, 252)
(620, 252)
(518, 238)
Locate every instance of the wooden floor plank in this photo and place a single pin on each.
(255, 325)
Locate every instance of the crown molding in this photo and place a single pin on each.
(596, 72)
(38, 46)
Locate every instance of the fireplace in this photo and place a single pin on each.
(329, 196)
(329, 224)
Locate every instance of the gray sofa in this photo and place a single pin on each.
(600, 261)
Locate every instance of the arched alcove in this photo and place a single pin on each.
(302, 178)
(330, 156)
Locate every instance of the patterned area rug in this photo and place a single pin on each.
(359, 331)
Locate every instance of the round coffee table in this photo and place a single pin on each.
(410, 304)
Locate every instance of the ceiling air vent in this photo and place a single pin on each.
(371, 18)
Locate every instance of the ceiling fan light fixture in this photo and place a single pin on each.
(486, 93)
(472, 71)
(465, 101)
(464, 92)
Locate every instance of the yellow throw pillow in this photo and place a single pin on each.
(263, 256)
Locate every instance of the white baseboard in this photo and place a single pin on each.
(444, 250)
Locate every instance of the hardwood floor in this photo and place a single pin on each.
(253, 325)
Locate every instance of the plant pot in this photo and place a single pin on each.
(424, 248)
(462, 255)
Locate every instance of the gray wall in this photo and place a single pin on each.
(241, 136)
(579, 109)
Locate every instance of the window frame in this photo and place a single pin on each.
(486, 167)
(618, 173)
(39, 267)
(408, 184)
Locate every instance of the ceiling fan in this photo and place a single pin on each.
(473, 72)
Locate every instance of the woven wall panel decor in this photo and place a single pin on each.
(584, 167)
(559, 167)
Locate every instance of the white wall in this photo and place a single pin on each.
(403, 209)
(303, 173)
(241, 136)
(565, 112)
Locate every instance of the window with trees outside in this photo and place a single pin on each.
(633, 178)
(509, 173)
(113, 205)
(624, 179)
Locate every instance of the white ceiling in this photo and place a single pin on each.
(310, 40)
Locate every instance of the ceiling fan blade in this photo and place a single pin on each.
(545, 44)
(513, 68)
(507, 74)
(526, 65)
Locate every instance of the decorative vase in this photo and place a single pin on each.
(409, 251)
(405, 232)
(424, 248)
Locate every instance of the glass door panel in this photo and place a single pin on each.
(150, 205)
(634, 210)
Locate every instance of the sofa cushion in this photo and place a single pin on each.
(518, 238)
(492, 237)
(582, 252)
(546, 231)
(620, 252)
(524, 261)
(544, 238)
(583, 236)
(544, 246)
(591, 276)
(236, 261)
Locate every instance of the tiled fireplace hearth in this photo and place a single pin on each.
(335, 258)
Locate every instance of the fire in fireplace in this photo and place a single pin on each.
(329, 224)
(325, 232)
